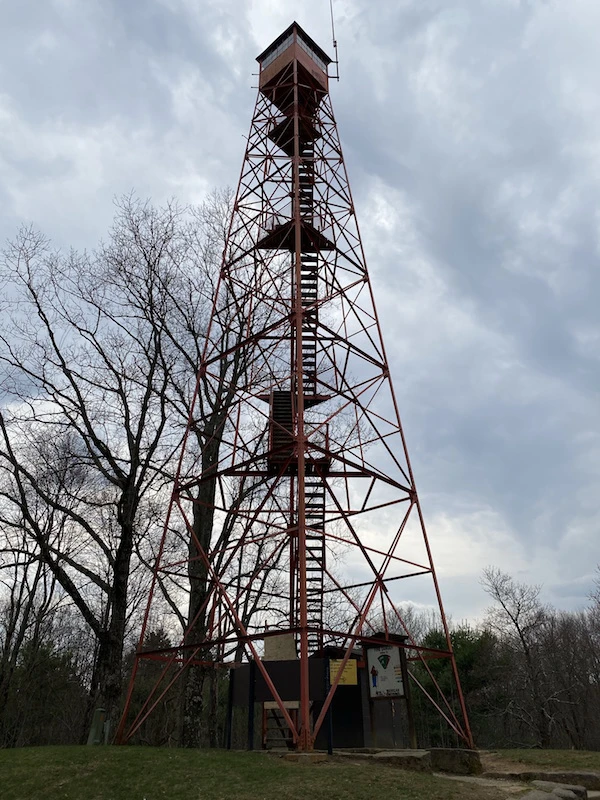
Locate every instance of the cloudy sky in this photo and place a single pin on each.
(471, 130)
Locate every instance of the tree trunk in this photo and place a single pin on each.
(107, 683)
(192, 721)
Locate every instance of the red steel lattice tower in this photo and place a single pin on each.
(307, 484)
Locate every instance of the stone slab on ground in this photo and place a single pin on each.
(510, 788)
(343, 755)
(417, 760)
(554, 786)
(304, 757)
(457, 760)
(591, 780)
(535, 794)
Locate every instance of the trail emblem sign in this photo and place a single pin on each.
(384, 660)
(385, 672)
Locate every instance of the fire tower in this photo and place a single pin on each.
(301, 512)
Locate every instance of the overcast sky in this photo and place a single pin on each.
(471, 131)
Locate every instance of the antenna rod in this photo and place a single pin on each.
(336, 61)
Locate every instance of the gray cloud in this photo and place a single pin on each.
(470, 132)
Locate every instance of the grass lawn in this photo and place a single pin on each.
(138, 773)
(583, 760)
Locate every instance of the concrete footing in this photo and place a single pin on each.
(456, 760)
(453, 760)
(312, 757)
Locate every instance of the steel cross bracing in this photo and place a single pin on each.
(316, 518)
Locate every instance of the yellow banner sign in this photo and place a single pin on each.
(349, 675)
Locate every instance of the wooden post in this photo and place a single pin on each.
(412, 732)
(329, 713)
(229, 721)
(251, 694)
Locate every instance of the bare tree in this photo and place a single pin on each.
(519, 618)
(88, 375)
(26, 597)
(188, 295)
(99, 357)
(43, 658)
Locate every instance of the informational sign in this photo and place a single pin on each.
(349, 676)
(385, 672)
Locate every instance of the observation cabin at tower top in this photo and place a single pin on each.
(294, 45)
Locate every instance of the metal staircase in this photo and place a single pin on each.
(309, 292)
(282, 427)
(306, 182)
(275, 731)
(281, 424)
(309, 266)
(314, 498)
